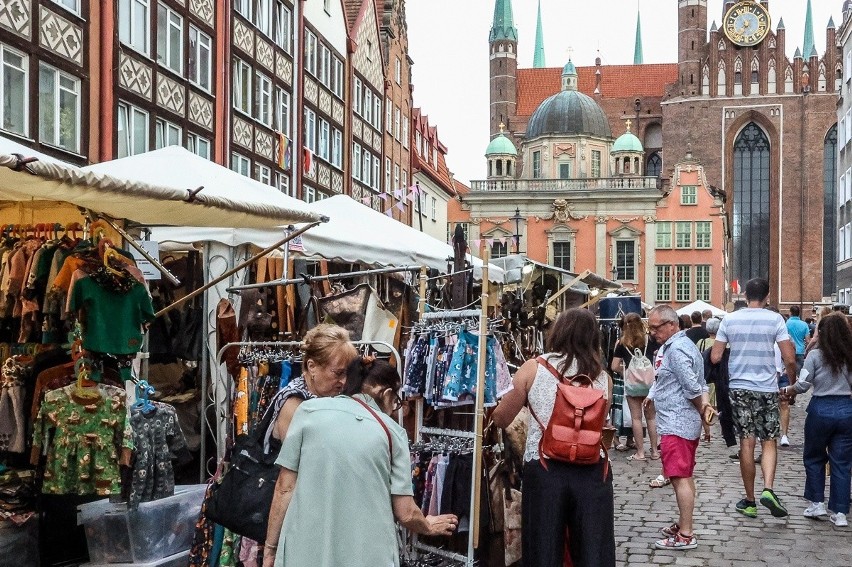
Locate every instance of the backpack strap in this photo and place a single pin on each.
(384, 426)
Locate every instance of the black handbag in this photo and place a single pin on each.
(242, 498)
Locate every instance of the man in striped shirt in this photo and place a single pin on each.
(752, 333)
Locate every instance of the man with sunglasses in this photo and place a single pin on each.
(752, 334)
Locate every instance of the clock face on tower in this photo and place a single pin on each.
(746, 23)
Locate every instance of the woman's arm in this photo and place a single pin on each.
(285, 416)
(617, 364)
(515, 399)
(280, 502)
(407, 513)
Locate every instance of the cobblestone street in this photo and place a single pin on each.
(724, 536)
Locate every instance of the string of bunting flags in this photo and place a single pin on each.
(402, 195)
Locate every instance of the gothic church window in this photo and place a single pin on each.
(829, 225)
(788, 80)
(721, 88)
(654, 166)
(752, 201)
(771, 78)
(821, 79)
(755, 76)
(705, 80)
(738, 77)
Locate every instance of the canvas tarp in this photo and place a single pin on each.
(149, 189)
(700, 306)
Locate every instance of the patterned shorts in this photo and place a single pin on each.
(756, 414)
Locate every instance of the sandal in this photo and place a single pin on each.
(635, 457)
(622, 447)
(655, 456)
(659, 482)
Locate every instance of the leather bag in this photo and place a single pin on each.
(243, 497)
(347, 309)
(255, 317)
(574, 432)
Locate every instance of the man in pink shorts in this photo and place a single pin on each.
(680, 397)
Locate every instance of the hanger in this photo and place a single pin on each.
(143, 392)
(86, 387)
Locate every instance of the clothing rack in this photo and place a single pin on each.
(330, 277)
(222, 380)
(447, 432)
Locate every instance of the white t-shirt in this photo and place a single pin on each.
(752, 334)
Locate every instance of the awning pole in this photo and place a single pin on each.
(329, 277)
(479, 415)
(233, 271)
(132, 241)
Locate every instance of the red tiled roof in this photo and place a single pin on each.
(617, 81)
(460, 187)
(352, 8)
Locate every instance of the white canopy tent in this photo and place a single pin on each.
(356, 233)
(700, 306)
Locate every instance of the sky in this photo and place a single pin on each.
(448, 41)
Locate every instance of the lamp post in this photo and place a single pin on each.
(517, 218)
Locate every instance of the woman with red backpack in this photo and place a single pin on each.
(567, 484)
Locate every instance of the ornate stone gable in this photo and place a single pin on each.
(368, 58)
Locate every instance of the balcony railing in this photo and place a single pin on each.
(589, 184)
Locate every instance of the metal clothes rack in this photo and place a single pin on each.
(330, 277)
(222, 380)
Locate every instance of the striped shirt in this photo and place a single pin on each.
(752, 334)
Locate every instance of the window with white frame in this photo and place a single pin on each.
(388, 187)
(683, 284)
(689, 195)
(683, 234)
(389, 115)
(356, 96)
(703, 234)
(198, 145)
(377, 112)
(264, 174)
(337, 86)
(263, 98)
(132, 130)
(282, 181)
(58, 108)
(166, 134)
(596, 163)
(664, 284)
(405, 131)
(356, 161)
(377, 173)
(396, 122)
(325, 66)
(404, 185)
(434, 209)
(14, 89)
(702, 283)
(133, 24)
(310, 194)
(664, 234)
(311, 52)
(200, 58)
(396, 172)
(282, 111)
(263, 16)
(243, 7)
(562, 254)
(536, 164)
(311, 130)
(283, 26)
(337, 149)
(625, 260)
(368, 106)
(451, 230)
(398, 71)
(241, 164)
(72, 5)
(242, 86)
(366, 168)
(169, 38)
(324, 140)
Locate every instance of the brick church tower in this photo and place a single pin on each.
(503, 68)
(691, 42)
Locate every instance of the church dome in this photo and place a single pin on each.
(571, 113)
(627, 142)
(501, 145)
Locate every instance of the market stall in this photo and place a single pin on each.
(701, 307)
(63, 229)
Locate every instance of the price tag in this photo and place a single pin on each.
(149, 272)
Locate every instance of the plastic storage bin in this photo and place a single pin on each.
(157, 530)
(176, 560)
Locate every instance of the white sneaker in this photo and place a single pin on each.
(784, 441)
(815, 510)
(839, 520)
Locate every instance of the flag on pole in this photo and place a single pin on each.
(309, 161)
(735, 287)
(283, 157)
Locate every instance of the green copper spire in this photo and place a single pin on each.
(538, 55)
(504, 23)
(638, 58)
(809, 44)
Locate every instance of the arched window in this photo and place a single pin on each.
(751, 204)
(720, 80)
(771, 78)
(654, 165)
(829, 225)
(705, 80)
